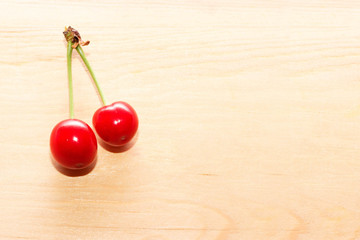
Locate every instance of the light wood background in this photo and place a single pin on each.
(249, 119)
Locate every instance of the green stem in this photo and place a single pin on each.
(71, 97)
(82, 55)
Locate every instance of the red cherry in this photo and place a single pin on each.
(116, 124)
(73, 144)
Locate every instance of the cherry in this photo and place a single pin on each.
(73, 144)
(116, 124)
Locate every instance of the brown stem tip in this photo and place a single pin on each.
(73, 35)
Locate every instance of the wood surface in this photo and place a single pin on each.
(249, 119)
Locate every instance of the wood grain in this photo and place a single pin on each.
(249, 119)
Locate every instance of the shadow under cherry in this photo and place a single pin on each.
(120, 149)
(73, 172)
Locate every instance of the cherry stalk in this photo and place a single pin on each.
(87, 64)
(70, 84)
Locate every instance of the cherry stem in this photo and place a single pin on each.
(83, 57)
(71, 96)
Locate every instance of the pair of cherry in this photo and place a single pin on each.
(73, 143)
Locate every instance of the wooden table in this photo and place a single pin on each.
(249, 119)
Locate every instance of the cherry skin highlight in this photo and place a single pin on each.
(116, 124)
(73, 144)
